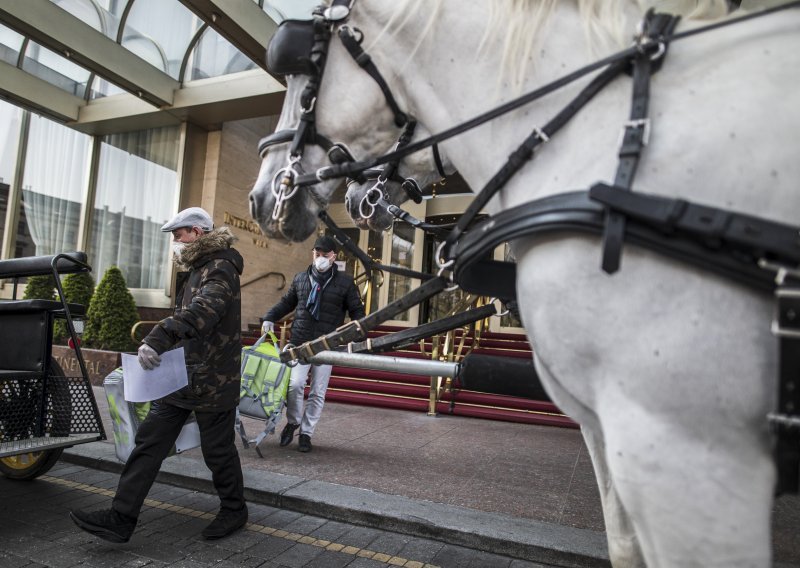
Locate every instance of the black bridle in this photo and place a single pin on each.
(301, 47)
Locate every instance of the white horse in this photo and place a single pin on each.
(670, 370)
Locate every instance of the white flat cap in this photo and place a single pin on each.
(191, 217)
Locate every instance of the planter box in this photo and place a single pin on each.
(99, 363)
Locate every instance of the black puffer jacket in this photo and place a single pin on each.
(206, 323)
(339, 296)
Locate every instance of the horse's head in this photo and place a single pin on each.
(327, 118)
(367, 201)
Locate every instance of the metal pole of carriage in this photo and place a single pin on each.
(385, 363)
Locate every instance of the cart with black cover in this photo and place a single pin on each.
(42, 410)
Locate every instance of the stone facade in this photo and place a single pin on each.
(230, 168)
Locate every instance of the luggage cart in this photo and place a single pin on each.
(42, 410)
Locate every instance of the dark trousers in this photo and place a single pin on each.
(154, 440)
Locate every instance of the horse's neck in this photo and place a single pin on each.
(460, 75)
(451, 80)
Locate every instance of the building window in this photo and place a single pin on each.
(52, 188)
(137, 192)
(10, 120)
(402, 254)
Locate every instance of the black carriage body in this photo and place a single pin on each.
(41, 408)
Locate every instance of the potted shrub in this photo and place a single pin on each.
(40, 288)
(78, 289)
(111, 315)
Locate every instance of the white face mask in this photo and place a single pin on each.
(177, 248)
(322, 263)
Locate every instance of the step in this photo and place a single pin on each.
(474, 411)
(485, 334)
(522, 416)
(499, 400)
(379, 400)
(381, 375)
(383, 386)
(374, 386)
(484, 343)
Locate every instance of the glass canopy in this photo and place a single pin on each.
(164, 33)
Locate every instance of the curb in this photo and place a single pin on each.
(526, 539)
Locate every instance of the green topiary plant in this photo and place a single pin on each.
(40, 288)
(78, 289)
(112, 313)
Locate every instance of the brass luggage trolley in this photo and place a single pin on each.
(42, 410)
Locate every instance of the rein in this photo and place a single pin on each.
(651, 47)
(743, 247)
(648, 50)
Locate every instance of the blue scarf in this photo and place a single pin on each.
(318, 282)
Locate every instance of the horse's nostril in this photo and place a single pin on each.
(253, 206)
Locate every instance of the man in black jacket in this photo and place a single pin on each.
(207, 324)
(320, 296)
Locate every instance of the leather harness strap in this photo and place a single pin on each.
(637, 130)
(353, 169)
(786, 421)
(676, 228)
(439, 232)
(363, 59)
(748, 235)
(358, 329)
(525, 152)
(363, 257)
(400, 339)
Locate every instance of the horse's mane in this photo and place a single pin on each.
(520, 21)
(604, 24)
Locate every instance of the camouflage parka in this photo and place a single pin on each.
(206, 323)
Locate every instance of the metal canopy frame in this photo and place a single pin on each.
(59, 31)
(244, 24)
(156, 98)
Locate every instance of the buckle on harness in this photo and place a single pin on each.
(786, 320)
(643, 123)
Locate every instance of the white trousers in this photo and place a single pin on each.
(320, 375)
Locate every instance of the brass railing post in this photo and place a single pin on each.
(433, 394)
(136, 327)
(451, 352)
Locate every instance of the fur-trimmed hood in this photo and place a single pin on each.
(217, 240)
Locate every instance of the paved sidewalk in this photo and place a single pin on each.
(40, 534)
(514, 489)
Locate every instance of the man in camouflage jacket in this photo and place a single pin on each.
(207, 324)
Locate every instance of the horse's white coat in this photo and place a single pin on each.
(669, 370)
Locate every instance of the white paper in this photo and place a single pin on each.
(142, 385)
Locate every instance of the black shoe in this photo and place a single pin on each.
(226, 522)
(107, 524)
(305, 443)
(288, 433)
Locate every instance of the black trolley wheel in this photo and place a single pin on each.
(31, 465)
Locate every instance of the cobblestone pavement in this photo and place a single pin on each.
(35, 531)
